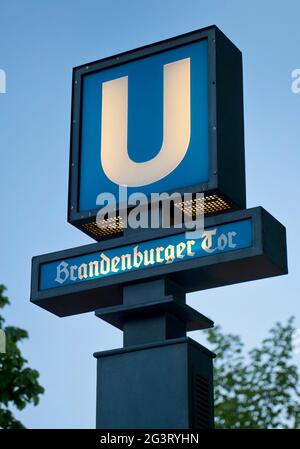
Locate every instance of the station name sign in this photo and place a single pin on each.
(167, 250)
(235, 247)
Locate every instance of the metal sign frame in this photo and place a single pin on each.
(262, 259)
(225, 127)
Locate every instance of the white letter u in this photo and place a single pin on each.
(115, 160)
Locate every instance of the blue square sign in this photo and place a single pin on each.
(145, 125)
(167, 117)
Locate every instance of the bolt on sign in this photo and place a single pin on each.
(167, 117)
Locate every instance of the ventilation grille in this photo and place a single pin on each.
(202, 403)
(104, 228)
(208, 205)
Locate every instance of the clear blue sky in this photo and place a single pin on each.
(40, 42)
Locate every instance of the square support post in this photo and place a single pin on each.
(161, 378)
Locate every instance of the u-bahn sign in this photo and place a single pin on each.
(235, 247)
(163, 118)
(166, 117)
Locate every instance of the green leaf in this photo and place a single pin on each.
(18, 383)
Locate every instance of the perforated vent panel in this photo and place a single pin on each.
(202, 420)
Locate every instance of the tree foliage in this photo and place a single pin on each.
(259, 389)
(19, 384)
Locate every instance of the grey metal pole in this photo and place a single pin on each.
(160, 378)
